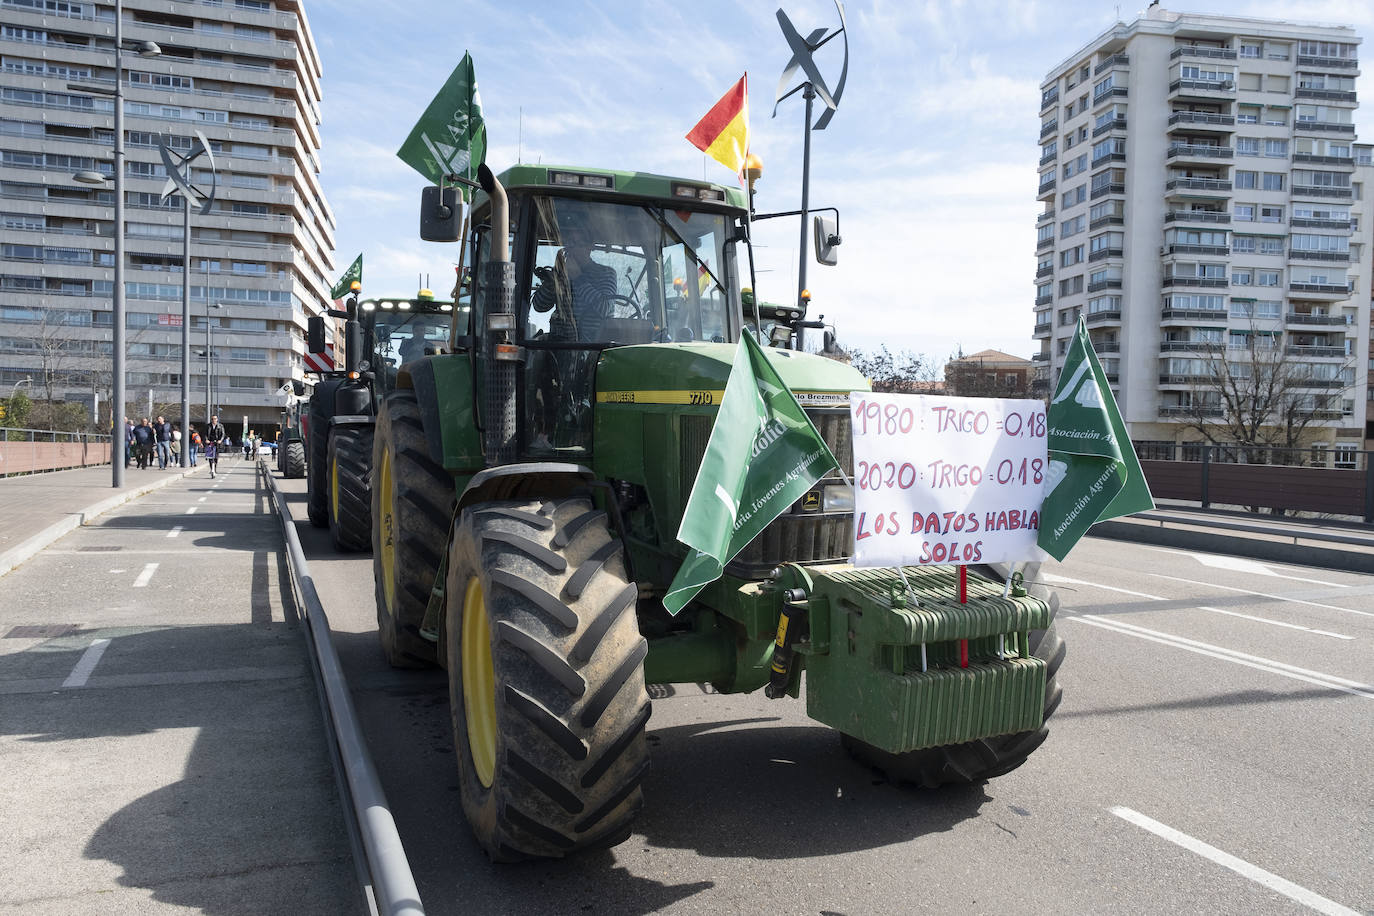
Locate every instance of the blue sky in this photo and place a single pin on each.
(931, 158)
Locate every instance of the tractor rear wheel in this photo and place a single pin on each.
(350, 497)
(975, 761)
(317, 470)
(412, 506)
(546, 678)
(293, 459)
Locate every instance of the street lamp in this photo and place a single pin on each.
(208, 306)
(143, 49)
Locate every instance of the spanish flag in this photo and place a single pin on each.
(724, 133)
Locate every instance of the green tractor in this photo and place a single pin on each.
(529, 484)
(379, 334)
(291, 442)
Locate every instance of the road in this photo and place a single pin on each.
(1212, 755)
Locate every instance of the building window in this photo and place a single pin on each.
(1247, 146)
(1276, 117)
(1246, 181)
(1276, 149)
(1247, 114)
(1271, 214)
(1273, 181)
(1244, 213)
(1249, 49)
(1071, 256)
(1242, 276)
(1242, 243)
(1268, 277)
(1071, 227)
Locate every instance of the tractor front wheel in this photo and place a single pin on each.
(975, 761)
(293, 459)
(546, 679)
(350, 496)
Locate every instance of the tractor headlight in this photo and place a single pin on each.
(837, 498)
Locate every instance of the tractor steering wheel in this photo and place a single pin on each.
(630, 303)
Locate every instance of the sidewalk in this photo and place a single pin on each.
(37, 509)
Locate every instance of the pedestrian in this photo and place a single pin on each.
(248, 445)
(163, 429)
(214, 437)
(176, 445)
(145, 443)
(194, 445)
(128, 441)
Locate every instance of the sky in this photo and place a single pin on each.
(931, 158)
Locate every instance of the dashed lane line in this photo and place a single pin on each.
(145, 576)
(1240, 564)
(192, 510)
(1246, 591)
(176, 530)
(86, 664)
(1273, 882)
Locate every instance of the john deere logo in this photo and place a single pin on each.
(811, 502)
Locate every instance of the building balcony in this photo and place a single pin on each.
(1297, 254)
(1328, 63)
(1102, 317)
(1172, 314)
(1042, 330)
(1111, 220)
(1187, 346)
(1322, 352)
(1214, 185)
(1186, 380)
(1043, 300)
(1108, 157)
(1303, 190)
(1105, 190)
(1048, 158)
(1300, 222)
(1044, 272)
(1106, 346)
(1107, 95)
(1102, 254)
(1044, 245)
(1218, 250)
(1044, 215)
(1114, 283)
(1116, 60)
(1209, 90)
(1202, 120)
(1306, 318)
(1204, 52)
(1113, 124)
(1327, 95)
(1046, 187)
(1197, 282)
(1324, 127)
(1198, 151)
(1040, 357)
(1049, 98)
(1049, 128)
(1197, 216)
(1188, 410)
(1345, 161)
(1319, 291)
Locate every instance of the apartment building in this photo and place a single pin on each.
(247, 74)
(1205, 206)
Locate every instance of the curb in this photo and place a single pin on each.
(1254, 548)
(27, 549)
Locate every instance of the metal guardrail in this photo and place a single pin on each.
(392, 887)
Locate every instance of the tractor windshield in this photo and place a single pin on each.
(622, 273)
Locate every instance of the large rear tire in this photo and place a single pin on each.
(975, 761)
(293, 459)
(546, 679)
(412, 507)
(317, 468)
(350, 491)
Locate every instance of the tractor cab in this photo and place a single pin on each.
(604, 260)
(398, 331)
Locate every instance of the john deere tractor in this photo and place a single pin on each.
(529, 484)
(378, 335)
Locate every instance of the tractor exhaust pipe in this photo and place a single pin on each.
(498, 413)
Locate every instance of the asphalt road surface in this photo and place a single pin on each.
(1212, 755)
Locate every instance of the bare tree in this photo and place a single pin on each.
(904, 372)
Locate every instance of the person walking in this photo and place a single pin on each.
(163, 429)
(128, 441)
(145, 443)
(193, 445)
(214, 436)
(175, 445)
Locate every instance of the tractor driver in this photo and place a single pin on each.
(578, 286)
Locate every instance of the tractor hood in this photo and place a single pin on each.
(696, 373)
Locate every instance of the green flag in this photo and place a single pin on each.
(450, 138)
(354, 272)
(1094, 474)
(763, 454)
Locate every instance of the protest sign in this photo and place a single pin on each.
(940, 480)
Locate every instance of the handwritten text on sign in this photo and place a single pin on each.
(942, 480)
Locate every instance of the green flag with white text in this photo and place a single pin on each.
(1093, 474)
(450, 138)
(763, 455)
(354, 272)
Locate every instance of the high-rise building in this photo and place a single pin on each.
(1203, 212)
(246, 74)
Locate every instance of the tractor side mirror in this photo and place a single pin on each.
(827, 240)
(314, 334)
(298, 387)
(440, 214)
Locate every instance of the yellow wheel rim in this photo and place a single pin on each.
(388, 522)
(334, 489)
(479, 683)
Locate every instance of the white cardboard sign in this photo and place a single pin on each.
(943, 480)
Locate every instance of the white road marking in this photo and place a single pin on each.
(1329, 681)
(1240, 564)
(1241, 867)
(86, 664)
(115, 572)
(192, 510)
(176, 529)
(1246, 591)
(144, 576)
(1051, 577)
(202, 499)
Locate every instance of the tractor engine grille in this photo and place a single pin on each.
(798, 535)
